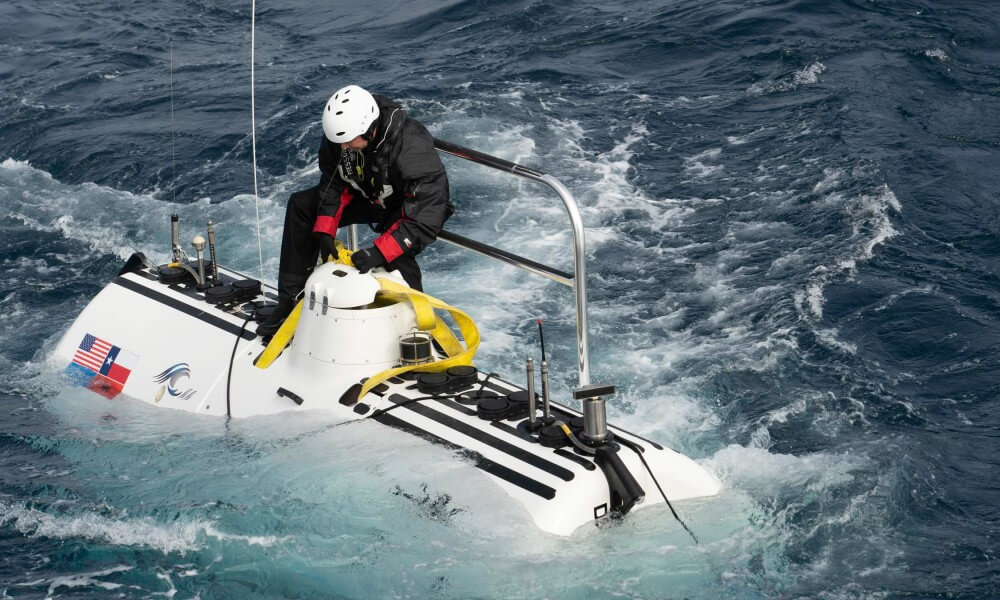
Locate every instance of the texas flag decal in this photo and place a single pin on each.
(101, 366)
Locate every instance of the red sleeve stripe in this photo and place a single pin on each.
(327, 224)
(388, 245)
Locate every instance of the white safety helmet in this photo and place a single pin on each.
(348, 114)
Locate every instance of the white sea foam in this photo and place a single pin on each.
(937, 54)
(809, 74)
(79, 580)
(805, 76)
(828, 337)
(697, 165)
(107, 221)
(894, 297)
(871, 226)
(177, 537)
(251, 540)
(831, 179)
(180, 536)
(765, 471)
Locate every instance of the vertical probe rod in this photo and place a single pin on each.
(545, 392)
(211, 253)
(529, 368)
(541, 338)
(199, 245)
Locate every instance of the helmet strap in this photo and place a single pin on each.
(369, 135)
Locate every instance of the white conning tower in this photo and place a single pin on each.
(342, 325)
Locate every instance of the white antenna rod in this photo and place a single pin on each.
(173, 150)
(253, 135)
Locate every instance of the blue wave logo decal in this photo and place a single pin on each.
(172, 377)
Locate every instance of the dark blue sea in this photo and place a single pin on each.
(792, 218)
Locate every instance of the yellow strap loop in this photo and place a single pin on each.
(457, 356)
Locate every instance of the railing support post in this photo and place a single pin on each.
(579, 282)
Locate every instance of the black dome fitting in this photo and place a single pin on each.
(171, 275)
(463, 376)
(220, 294)
(552, 436)
(246, 289)
(433, 383)
(521, 397)
(493, 409)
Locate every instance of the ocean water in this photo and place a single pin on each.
(791, 211)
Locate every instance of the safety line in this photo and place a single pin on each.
(253, 135)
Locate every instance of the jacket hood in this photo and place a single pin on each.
(390, 122)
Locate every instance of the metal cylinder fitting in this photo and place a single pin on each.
(415, 349)
(595, 420)
(595, 415)
(175, 237)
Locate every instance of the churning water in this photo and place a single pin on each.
(791, 209)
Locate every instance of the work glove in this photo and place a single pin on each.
(327, 247)
(367, 259)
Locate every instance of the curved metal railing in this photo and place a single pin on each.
(577, 281)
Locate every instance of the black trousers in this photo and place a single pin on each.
(299, 249)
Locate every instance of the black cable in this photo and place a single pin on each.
(232, 358)
(382, 411)
(632, 446)
(482, 383)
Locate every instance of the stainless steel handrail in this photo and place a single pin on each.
(527, 264)
(579, 282)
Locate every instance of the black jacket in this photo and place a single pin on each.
(401, 170)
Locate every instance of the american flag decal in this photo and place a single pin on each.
(92, 353)
(101, 366)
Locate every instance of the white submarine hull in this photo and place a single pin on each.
(165, 345)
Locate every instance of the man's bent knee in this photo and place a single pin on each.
(304, 202)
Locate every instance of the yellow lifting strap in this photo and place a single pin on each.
(423, 305)
(284, 334)
(280, 339)
(457, 355)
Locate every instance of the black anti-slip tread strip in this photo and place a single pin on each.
(509, 475)
(185, 308)
(589, 465)
(481, 436)
(565, 411)
(519, 433)
(456, 406)
(507, 428)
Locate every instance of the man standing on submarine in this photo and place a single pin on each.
(377, 167)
